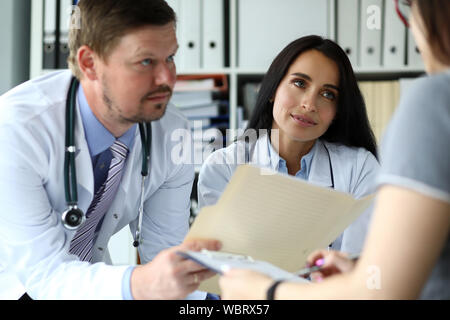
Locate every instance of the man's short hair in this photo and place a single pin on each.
(103, 22)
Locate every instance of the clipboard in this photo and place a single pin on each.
(220, 261)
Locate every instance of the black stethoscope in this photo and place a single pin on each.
(247, 160)
(331, 167)
(73, 217)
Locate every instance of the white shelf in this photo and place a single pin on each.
(250, 72)
(385, 70)
(205, 71)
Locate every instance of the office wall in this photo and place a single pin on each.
(15, 43)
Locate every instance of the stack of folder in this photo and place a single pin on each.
(373, 36)
(203, 99)
(57, 21)
(200, 33)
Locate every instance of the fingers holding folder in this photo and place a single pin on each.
(329, 263)
(196, 273)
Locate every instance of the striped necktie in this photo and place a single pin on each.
(83, 241)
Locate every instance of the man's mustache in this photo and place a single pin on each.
(161, 89)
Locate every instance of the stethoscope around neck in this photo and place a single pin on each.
(73, 217)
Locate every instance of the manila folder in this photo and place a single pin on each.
(275, 218)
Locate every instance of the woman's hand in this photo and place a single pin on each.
(243, 284)
(332, 263)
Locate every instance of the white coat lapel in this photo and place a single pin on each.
(320, 173)
(83, 163)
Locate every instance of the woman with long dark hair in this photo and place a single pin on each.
(407, 252)
(309, 121)
(350, 126)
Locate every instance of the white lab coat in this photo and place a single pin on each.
(34, 244)
(354, 171)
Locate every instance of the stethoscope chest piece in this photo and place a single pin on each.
(72, 218)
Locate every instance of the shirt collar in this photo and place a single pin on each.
(98, 137)
(277, 162)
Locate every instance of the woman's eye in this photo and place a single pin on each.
(299, 83)
(146, 62)
(329, 95)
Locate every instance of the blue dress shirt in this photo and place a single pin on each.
(305, 162)
(99, 140)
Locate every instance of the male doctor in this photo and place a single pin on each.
(123, 55)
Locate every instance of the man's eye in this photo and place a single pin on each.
(146, 62)
(171, 58)
(406, 3)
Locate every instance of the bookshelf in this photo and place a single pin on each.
(236, 14)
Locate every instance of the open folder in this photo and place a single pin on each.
(276, 218)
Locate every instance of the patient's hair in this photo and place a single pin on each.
(435, 15)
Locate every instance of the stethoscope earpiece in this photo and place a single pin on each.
(72, 218)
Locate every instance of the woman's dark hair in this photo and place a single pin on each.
(435, 15)
(350, 125)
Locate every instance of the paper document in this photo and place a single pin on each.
(276, 218)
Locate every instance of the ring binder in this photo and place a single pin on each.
(49, 39)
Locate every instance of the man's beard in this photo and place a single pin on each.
(140, 115)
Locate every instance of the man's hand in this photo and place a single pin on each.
(170, 276)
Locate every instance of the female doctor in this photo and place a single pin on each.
(310, 122)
